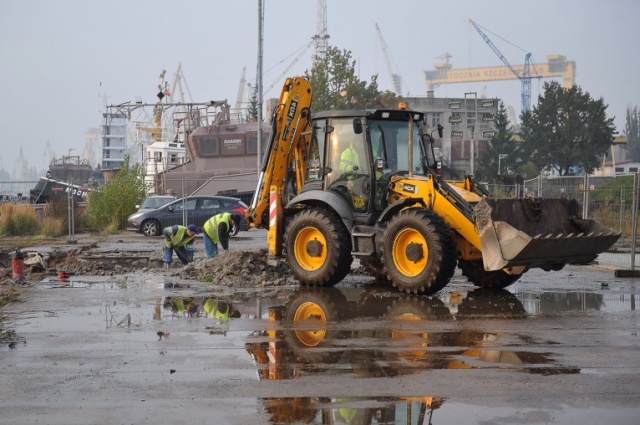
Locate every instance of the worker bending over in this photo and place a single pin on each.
(217, 229)
(176, 238)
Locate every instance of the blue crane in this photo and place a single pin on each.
(525, 76)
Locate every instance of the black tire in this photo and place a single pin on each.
(311, 318)
(317, 247)
(491, 303)
(375, 268)
(412, 308)
(410, 318)
(475, 273)
(150, 228)
(418, 252)
(235, 229)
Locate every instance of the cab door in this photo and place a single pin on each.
(350, 164)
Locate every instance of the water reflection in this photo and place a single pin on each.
(372, 333)
(196, 307)
(353, 411)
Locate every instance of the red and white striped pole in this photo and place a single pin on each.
(274, 235)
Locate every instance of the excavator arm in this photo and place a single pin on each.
(287, 146)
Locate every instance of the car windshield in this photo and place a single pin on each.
(155, 202)
(390, 140)
(190, 204)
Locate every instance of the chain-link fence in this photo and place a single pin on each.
(611, 201)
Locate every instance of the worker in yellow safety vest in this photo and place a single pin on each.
(217, 229)
(177, 238)
(219, 310)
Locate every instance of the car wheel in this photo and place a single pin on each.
(150, 228)
(234, 230)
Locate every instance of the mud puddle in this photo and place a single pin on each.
(426, 410)
(145, 334)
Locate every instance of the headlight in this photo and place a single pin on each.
(134, 216)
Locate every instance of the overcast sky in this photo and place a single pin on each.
(63, 60)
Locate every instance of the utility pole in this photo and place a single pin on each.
(259, 81)
(472, 147)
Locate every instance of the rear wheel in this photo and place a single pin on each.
(419, 256)
(375, 268)
(150, 228)
(475, 273)
(318, 248)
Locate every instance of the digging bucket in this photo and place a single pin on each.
(538, 232)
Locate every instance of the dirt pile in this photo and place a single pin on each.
(242, 268)
(239, 269)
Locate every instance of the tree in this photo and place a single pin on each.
(335, 85)
(503, 149)
(567, 129)
(632, 132)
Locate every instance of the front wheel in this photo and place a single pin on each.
(318, 247)
(418, 252)
(475, 273)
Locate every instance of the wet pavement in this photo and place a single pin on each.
(557, 347)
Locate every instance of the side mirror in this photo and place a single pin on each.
(440, 128)
(357, 125)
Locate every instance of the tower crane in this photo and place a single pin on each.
(395, 78)
(525, 76)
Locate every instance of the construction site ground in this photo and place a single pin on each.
(100, 332)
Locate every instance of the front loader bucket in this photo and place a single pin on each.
(538, 232)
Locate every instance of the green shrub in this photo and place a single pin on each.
(109, 206)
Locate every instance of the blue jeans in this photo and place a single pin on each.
(210, 247)
(168, 254)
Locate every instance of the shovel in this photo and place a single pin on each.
(181, 256)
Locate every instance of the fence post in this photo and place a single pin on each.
(585, 197)
(70, 217)
(634, 220)
(184, 204)
(622, 208)
(540, 185)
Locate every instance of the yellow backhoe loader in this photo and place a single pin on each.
(339, 185)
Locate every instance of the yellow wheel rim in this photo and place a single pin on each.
(310, 313)
(310, 248)
(420, 339)
(410, 252)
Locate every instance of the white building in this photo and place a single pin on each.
(114, 140)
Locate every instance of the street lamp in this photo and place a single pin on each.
(500, 156)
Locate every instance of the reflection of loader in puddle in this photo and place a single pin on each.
(335, 411)
(321, 331)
